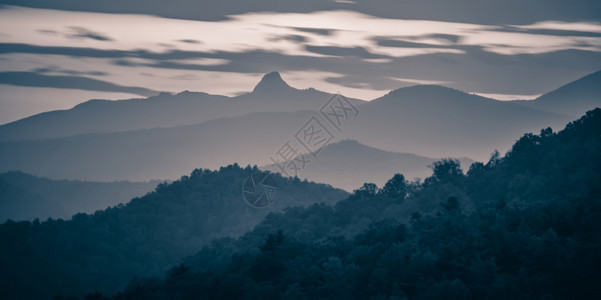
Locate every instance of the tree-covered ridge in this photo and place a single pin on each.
(104, 250)
(523, 226)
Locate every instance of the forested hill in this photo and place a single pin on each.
(523, 226)
(103, 251)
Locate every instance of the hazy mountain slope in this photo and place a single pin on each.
(141, 238)
(527, 225)
(348, 164)
(437, 121)
(164, 110)
(574, 98)
(427, 120)
(26, 197)
(155, 153)
(431, 121)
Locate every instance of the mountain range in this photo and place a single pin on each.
(348, 164)
(164, 136)
(573, 98)
(271, 94)
(515, 224)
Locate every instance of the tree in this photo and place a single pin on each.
(395, 188)
(272, 242)
(446, 170)
(451, 204)
(367, 190)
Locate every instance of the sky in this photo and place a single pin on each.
(56, 54)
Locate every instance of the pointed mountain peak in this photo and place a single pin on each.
(271, 82)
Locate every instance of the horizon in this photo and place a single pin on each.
(348, 48)
(497, 97)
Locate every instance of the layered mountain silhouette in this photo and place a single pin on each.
(144, 236)
(531, 209)
(438, 121)
(431, 121)
(348, 164)
(574, 98)
(165, 110)
(26, 197)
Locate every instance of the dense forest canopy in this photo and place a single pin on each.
(522, 226)
(104, 250)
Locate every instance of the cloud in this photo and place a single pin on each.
(396, 43)
(291, 37)
(185, 77)
(562, 26)
(469, 11)
(190, 41)
(58, 70)
(48, 31)
(342, 51)
(448, 37)
(68, 82)
(387, 53)
(319, 31)
(290, 34)
(82, 33)
(362, 82)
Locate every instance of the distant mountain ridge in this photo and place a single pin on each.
(165, 110)
(431, 121)
(26, 197)
(348, 164)
(574, 98)
(436, 121)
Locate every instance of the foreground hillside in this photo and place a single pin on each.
(523, 226)
(102, 251)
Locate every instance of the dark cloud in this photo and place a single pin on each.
(449, 37)
(360, 81)
(83, 33)
(476, 70)
(343, 51)
(320, 31)
(405, 44)
(190, 41)
(414, 41)
(48, 31)
(470, 11)
(6, 48)
(69, 72)
(292, 37)
(32, 79)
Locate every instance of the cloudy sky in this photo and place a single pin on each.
(55, 54)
